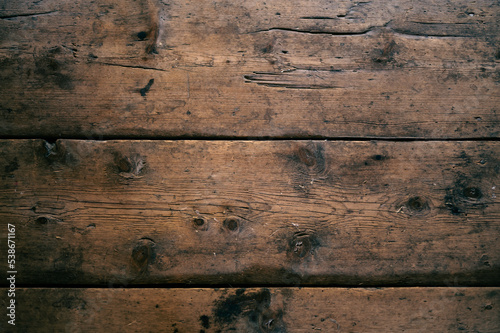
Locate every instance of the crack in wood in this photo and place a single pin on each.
(316, 32)
(293, 79)
(317, 18)
(14, 16)
(132, 66)
(389, 25)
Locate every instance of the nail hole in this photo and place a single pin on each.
(42, 220)
(142, 35)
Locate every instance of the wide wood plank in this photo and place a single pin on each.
(242, 212)
(314, 69)
(256, 310)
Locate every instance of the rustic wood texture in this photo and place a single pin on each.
(311, 69)
(258, 310)
(244, 212)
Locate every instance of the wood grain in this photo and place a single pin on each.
(240, 69)
(252, 212)
(258, 310)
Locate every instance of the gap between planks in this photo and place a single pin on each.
(244, 138)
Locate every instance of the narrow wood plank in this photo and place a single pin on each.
(314, 69)
(242, 212)
(257, 310)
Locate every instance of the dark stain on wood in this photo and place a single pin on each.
(254, 307)
(145, 90)
(50, 69)
(205, 321)
(71, 300)
(385, 55)
(12, 166)
(265, 48)
(68, 264)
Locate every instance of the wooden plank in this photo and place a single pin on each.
(242, 212)
(257, 310)
(314, 69)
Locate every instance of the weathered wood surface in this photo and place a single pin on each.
(311, 69)
(257, 310)
(243, 212)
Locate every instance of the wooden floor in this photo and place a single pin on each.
(249, 166)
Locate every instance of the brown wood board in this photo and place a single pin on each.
(252, 212)
(275, 310)
(248, 69)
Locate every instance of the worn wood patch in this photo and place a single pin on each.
(242, 212)
(257, 310)
(314, 69)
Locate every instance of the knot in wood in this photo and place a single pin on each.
(417, 204)
(472, 193)
(143, 254)
(306, 156)
(232, 224)
(199, 223)
(301, 244)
